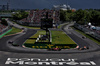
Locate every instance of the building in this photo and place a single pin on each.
(63, 7)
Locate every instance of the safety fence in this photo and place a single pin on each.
(88, 31)
(5, 31)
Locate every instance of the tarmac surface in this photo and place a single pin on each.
(90, 57)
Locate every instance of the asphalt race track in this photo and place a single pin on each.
(89, 57)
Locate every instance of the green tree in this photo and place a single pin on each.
(20, 15)
(63, 15)
(82, 16)
(95, 17)
(66, 15)
(4, 22)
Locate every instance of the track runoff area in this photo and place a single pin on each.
(53, 40)
(58, 40)
(31, 59)
(65, 42)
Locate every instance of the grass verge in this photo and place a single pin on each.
(27, 26)
(59, 37)
(31, 27)
(98, 42)
(5, 33)
(13, 31)
(32, 39)
(61, 25)
(60, 40)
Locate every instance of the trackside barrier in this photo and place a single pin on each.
(87, 31)
(5, 33)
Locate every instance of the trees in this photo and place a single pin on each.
(4, 22)
(81, 16)
(95, 17)
(66, 15)
(20, 15)
(63, 15)
(88, 15)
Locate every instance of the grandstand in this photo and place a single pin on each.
(35, 16)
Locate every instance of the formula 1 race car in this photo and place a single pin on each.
(54, 49)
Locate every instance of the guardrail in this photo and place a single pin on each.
(5, 31)
(87, 31)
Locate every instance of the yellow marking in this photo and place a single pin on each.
(50, 45)
(33, 46)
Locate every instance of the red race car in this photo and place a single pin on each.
(54, 49)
